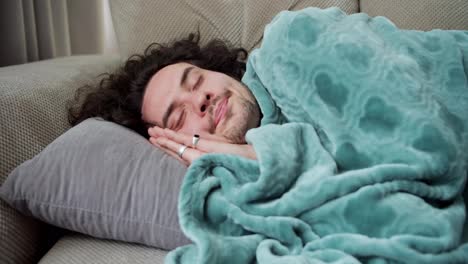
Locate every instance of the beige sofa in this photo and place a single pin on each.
(33, 96)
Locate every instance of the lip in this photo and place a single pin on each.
(221, 111)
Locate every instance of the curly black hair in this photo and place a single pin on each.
(118, 96)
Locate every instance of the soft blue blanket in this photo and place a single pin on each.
(361, 152)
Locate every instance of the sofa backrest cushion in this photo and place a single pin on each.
(241, 22)
(420, 14)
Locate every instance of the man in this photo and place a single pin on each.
(178, 91)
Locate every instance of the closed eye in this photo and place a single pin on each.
(181, 120)
(197, 84)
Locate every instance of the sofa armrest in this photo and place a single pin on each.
(33, 113)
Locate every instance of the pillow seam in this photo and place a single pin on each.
(131, 220)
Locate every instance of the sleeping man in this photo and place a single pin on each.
(341, 139)
(187, 99)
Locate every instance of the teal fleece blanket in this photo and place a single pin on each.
(361, 150)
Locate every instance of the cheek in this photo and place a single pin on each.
(203, 131)
(194, 126)
(212, 137)
(219, 83)
(189, 129)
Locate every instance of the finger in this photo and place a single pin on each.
(215, 146)
(155, 131)
(168, 144)
(189, 154)
(184, 139)
(206, 145)
(178, 137)
(168, 151)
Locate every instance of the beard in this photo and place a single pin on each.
(240, 122)
(237, 120)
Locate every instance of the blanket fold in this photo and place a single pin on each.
(361, 152)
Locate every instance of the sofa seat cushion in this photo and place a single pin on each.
(76, 248)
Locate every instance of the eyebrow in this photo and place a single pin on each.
(171, 107)
(185, 74)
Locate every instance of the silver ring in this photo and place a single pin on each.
(181, 150)
(195, 140)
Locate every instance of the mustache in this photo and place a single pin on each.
(211, 109)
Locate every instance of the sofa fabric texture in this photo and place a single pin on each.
(420, 14)
(33, 100)
(139, 23)
(78, 249)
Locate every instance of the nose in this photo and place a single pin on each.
(201, 102)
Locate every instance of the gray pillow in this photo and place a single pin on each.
(103, 180)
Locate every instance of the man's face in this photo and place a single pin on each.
(192, 100)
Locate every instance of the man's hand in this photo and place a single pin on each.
(170, 142)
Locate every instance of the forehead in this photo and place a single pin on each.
(168, 72)
(159, 91)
